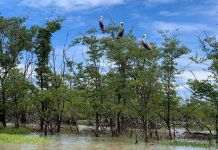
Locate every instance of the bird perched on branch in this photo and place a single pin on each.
(101, 24)
(145, 44)
(121, 32)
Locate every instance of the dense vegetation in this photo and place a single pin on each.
(118, 86)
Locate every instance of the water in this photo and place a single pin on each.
(71, 142)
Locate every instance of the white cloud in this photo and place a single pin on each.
(169, 14)
(183, 89)
(162, 2)
(159, 1)
(183, 27)
(198, 74)
(74, 22)
(71, 5)
(208, 8)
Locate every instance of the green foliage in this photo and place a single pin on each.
(15, 38)
(78, 106)
(204, 89)
(42, 50)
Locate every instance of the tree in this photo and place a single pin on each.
(117, 52)
(42, 49)
(171, 50)
(17, 92)
(208, 89)
(91, 74)
(144, 74)
(14, 38)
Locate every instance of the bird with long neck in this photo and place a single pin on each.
(101, 24)
(121, 32)
(145, 44)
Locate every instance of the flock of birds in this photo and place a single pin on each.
(120, 34)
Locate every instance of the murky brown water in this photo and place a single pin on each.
(69, 142)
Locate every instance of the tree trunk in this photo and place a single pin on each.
(145, 126)
(111, 126)
(46, 129)
(156, 132)
(118, 124)
(217, 123)
(23, 117)
(169, 129)
(42, 117)
(41, 123)
(4, 118)
(51, 129)
(17, 114)
(59, 119)
(17, 125)
(168, 120)
(3, 109)
(96, 124)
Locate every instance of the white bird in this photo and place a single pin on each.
(121, 32)
(101, 24)
(145, 44)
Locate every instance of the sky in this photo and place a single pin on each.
(191, 17)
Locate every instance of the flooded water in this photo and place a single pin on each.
(70, 142)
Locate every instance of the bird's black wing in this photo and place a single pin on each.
(101, 25)
(120, 33)
(146, 45)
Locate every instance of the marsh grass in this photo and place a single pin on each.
(14, 131)
(20, 136)
(21, 139)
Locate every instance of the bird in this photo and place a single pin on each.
(121, 32)
(101, 24)
(145, 44)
